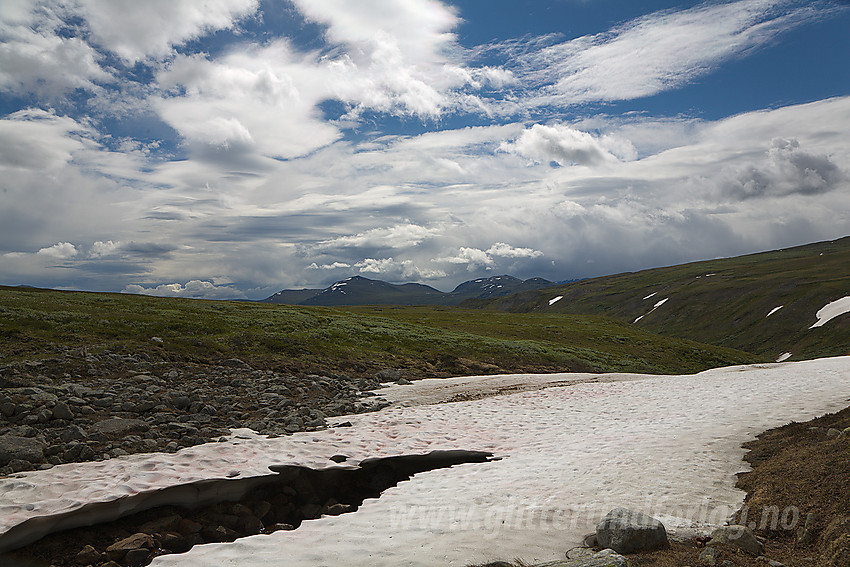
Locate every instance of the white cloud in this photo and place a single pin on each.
(403, 270)
(396, 56)
(136, 30)
(786, 169)
(507, 251)
(568, 146)
(398, 236)
(196, 289)
(257, 100)
(61, 250)
(100, 249)
(475, 258)
(37, 139)
(35, 59)
(657, 52)
(334, 266)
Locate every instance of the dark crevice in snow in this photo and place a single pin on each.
(174, 519)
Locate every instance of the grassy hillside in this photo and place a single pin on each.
(724, 302)
(428, 341)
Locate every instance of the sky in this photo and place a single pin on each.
(233, 148)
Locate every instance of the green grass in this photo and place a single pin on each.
(431, 341)
(728, 308)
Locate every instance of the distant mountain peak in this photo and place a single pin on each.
(357, 290)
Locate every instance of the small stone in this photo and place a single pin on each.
(741, 537)
(262, 508)
(157, 339)
(708, 556)
(87, 556)
(337, 509)
(219, 534)
(250, 525)
(176, 543)
(120, 548)
(279, 527)
(8, 409)
(832, 433)
(339, 458)
(19, 465)
(187, 526)
(580, 552)
(137, 557)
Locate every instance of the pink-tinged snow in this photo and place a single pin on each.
(774, 310)
(654, 307)
(832, 310)
(555, 300)
(573, 447)
(783, 357)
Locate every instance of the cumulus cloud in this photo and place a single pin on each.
(401, 270)
(136, 30)
(476, 258)
(61, 250)
(568, 146)
(785, 170)
(100, 249)
(397, 56)
(334, 266)
(39, 139)
(36, 59)
(507, 251)
(398, 236)
(195, 289)
(259, 99)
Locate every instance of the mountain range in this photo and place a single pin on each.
(358, 290)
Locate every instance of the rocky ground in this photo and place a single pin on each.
(82, 406)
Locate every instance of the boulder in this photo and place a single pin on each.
(62, 411)
(627, 531)
(741, 537)
(14, 448)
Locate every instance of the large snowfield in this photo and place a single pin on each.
(572, 447)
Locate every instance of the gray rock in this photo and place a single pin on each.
(580, 553)
(627, 531)
(137, 557)
(741, 537)
(87, 556)
(605, 558)
(119, 427)
(26, 449)
(708, 556)
(62, 411)
(832, 433)
(389, 375)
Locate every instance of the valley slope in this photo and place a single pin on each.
(761, 303)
